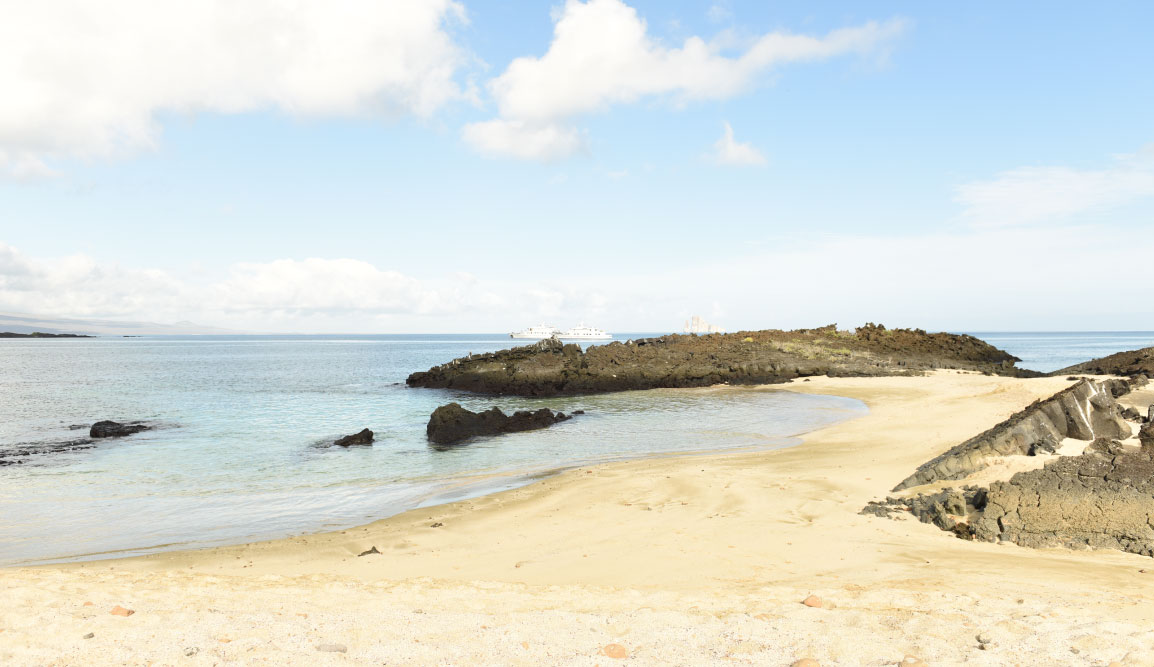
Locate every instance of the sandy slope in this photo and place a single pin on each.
(693, 560)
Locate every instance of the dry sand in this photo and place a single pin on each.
(689, 560)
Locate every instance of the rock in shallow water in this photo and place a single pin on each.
(365, 437)
(111, 429)
(451, 424)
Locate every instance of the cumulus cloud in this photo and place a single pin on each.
(728, 151)
(1030, 195)
(285, 289)
(602, 55)
(87, 79)
(522, 139)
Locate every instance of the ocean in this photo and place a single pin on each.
(239, 452)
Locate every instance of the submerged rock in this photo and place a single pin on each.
(111, 429)
(451, 424)
(364, 437)
(1084, 411)
(26, 451)
(549, 367)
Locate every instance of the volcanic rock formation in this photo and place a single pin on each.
(1084, 411)
(111, 429)
(364, 437)
(549, 368)
(451, 424)
(1131, 363)
(1101, 498)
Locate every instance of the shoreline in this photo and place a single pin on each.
(677, 559)
(464, 487)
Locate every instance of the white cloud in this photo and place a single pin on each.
(521, 139)
(290, 290)
(601, 55)
(719, 12)
(87, 79)
(727, 151)
(1030, 195)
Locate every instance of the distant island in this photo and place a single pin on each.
(38, 334)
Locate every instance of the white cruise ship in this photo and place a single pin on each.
(540, 332)
(583, 332)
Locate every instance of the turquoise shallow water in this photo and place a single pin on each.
(238, 454)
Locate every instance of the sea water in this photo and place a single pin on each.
(240, 449)
(1048, 351)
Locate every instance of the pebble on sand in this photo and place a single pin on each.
(121, 611)
(812, 601)
(615, 651)
(90, 635)
(333, 648)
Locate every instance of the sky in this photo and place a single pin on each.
(481, 166)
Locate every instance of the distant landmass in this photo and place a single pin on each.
(40, 334)
(24, 323)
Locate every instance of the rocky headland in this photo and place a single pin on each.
(452, 424)
(1131, 363)
(550, 368)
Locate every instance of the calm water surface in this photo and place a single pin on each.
(1048, 351)
(239, 452)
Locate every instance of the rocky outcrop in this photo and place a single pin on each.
(1130, 363)
(550, 368)
(364, 437)
(111, 429)
(451, 424)
(1101, 499)
(1085, 411)
(950, 509)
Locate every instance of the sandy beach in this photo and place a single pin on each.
(688, 560)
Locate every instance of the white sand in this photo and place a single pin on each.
(695, 560)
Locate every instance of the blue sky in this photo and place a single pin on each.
(922, 164)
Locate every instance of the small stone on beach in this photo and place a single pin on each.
(121, 611)
(333, 648)
(191, 651)
(90, 635)
(369, 552)
(812, 601)
(616, 651)
(87, 604)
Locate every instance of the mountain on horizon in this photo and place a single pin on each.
(29, 323)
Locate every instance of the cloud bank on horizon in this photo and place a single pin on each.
(92, 88)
